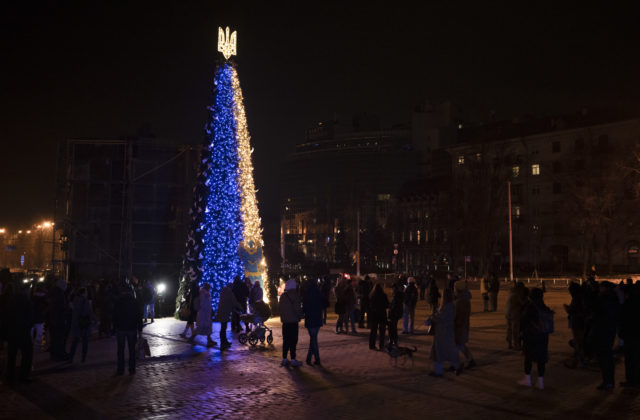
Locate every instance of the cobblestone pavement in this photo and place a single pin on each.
(184, 381)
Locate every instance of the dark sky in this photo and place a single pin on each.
(104, 69)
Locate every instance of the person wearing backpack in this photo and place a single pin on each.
(81, 320)
(409, 306)
(536, 323)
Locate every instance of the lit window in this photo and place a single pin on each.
(410, 236)
(516, 212)
(418, 237)
(535, 169)
(461, 160)
(478, 156)
(516, 171)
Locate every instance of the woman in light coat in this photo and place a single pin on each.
(203, 318)
(444, 347)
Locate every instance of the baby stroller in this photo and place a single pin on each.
(258, 330)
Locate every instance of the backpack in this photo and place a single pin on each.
(545, 320)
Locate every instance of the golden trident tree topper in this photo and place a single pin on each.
(226, 43)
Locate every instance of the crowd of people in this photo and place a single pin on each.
(56, 318)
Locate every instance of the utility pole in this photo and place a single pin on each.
(510, 233)
(358, 241)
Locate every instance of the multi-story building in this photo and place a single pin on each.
(572, 196)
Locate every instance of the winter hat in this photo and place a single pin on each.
(291, 284)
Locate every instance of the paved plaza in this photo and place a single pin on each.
(184, 381)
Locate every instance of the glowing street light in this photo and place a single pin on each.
(161, 288)
(47, 224)
(2, 230)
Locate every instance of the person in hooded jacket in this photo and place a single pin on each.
(312, 306)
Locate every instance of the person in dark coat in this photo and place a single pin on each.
(241, 292)
(341, 305)
(630, 333)
(577, 314)
(444, 347)
(535, 340)
(395, 313)
(461, 322)
(39, 304)
(409, 306)
(290, 314)
(606, 311)
(326, 297)
(433, 295)
(17, 321)
(127, 322)
(81, 320)
(378, 303)
(227, 305)
(364, 289)
(312, 306)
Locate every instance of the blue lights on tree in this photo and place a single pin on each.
(222, 222)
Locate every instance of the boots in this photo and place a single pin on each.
(526, 381)
(541, 382)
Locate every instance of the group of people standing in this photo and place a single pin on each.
(50, 314)
(234, 300)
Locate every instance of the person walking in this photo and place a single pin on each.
(461, 322)
(396, 309)
(290, 314)
(378, 303)
(444, 347)
(204, 321)
(536, 324)
(312, 306)
(409, 306)
(149, 297)
(81, 320)
(227, 304)
(193, 301)
(127, 321)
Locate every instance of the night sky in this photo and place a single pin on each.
(105, 69)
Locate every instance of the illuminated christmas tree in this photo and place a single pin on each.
(226, 236)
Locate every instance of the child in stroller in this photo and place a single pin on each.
(258, 330)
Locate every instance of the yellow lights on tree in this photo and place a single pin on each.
(249, 208)
(227, 43)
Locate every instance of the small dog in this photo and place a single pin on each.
(403, 353)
